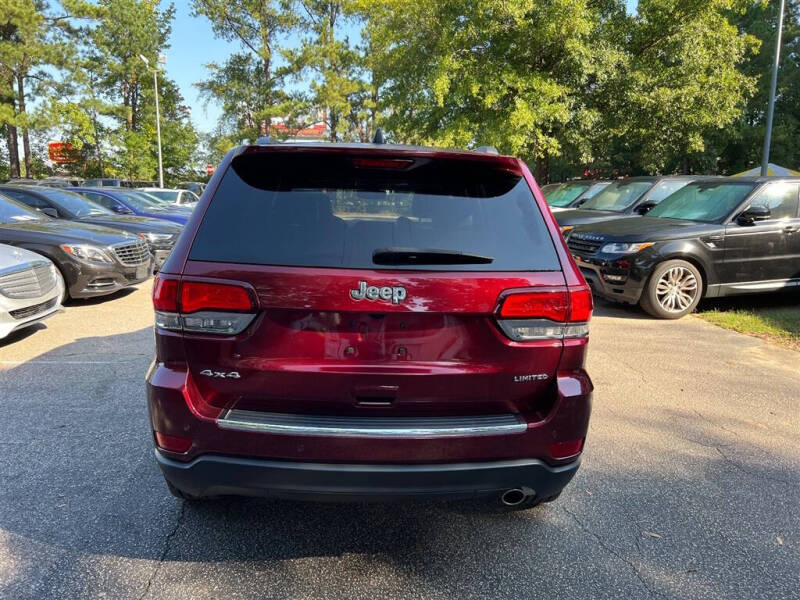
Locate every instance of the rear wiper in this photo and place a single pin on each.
(426, 256)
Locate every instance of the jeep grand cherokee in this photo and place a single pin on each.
(370, 321)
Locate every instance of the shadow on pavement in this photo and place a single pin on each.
(84, 512)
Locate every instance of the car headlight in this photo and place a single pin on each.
(87, 252)
(632, 248)
(156, 238)
(566, 229)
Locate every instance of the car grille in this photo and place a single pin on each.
(583, 246)
(132, 254)
(29, 311)
(31, 281)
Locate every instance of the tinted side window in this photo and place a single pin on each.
(28, 199)
(780, 198)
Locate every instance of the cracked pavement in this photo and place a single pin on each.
(688, 487)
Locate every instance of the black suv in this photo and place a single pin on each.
(717, 237)
(159, 235)
(624, 198)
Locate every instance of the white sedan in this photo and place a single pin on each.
(30, 289)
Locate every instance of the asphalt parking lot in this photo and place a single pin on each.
(689, 488)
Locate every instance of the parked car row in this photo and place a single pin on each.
(56, 244)
(665, 243)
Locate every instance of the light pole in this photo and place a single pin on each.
(162, 60)
(771, 106)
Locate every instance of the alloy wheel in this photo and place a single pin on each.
(676, 289)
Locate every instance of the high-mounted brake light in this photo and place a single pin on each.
(546, 314)
(382, 163)
(201, 307)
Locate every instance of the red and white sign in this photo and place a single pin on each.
(209, 169)
(61, 152)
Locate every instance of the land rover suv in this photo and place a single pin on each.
(370, 322)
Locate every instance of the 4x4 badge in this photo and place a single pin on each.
(221, 374)
(394, 294)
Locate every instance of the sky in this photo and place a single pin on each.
(192, 45)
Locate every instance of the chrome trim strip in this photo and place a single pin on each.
(24, 267)
(378, 427)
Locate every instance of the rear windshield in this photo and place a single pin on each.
(332, 210)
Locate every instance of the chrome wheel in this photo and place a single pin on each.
(676, 289)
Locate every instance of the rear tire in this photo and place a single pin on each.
(673, 290)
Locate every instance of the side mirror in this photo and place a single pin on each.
(645, 207)
(50, 212)
(120, 210)
(580, 203)
(752, 214)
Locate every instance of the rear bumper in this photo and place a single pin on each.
(213, 474)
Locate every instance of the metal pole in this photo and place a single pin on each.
(158, 131)
(771, 106)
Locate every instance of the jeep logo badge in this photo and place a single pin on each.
(395, 295)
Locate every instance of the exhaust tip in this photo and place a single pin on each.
(513, 497)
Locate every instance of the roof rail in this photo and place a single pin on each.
(265, 140)
(487, 149)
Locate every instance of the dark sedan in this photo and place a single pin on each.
(91, 259)
(159, 234)
(131, 202)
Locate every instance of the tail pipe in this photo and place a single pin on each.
(516, 496)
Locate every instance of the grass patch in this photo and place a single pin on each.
(775, 318)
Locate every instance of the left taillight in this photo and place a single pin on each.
(557, 313)
(202, 307)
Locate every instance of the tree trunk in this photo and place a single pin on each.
(26, 143)
(13, 151)
(685, 166)
(542, 170)
(97, 144)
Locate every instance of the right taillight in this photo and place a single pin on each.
(202, 307)
(546, 314)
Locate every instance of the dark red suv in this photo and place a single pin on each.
(370, 321)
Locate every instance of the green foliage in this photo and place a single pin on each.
(249, 86)
(333, 64)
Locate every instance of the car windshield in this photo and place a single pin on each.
(75, 204)
(707, 202)
(14, 212)
(596, 189)
(618, 196)
(168, 195)
(140, 201)
(565, 194)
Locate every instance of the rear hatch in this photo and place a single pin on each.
(373, 285)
